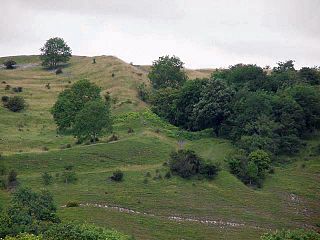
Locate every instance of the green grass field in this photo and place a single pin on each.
(290, 198)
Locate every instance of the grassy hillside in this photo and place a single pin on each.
(34, 129)
(143, 206)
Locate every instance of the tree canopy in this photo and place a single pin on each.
(167, 72)
(55, 51)
(257, 110)
(81, 111)
(91, 120)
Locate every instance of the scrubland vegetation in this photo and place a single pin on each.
(110, 150)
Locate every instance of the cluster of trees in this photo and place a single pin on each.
(255, 109)
(81, 111)
(32, 216)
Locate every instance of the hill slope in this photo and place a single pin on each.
(35, 129)
(147, 207)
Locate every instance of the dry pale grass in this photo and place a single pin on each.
(34, 128)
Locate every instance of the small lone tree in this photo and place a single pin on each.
(167, 72)
(55, 51)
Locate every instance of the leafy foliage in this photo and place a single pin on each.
(252, 168)
(55, 51)
(214, 105)
(91, 120)
(167, 72)
(117, 176)
(28, 212)
(15, 103)
(143, 92)
(186, 163)
(71, 101)
(310, 75)
(46, 178)
(24, 236)
(299, 234)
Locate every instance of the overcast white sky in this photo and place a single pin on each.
(203, 33)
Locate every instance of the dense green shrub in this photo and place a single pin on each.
(117, 176)
(69, 176)
(209, 170)
(46, 178)
(12, 176)
(299, 234)
(250, 168)
(4, 99)
(28, 212)
(186, 163)
(113, 138)
(15, 104)
(310, 75)
(3, 169)
(17, 89)
(10, 64)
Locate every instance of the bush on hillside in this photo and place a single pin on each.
(209, 170)
(299, 234)
(10, 64)
(12, 176)
(143, 92)
(59, 71)
(3, 169)
(46, 178)
(4, 99)
(250, 168)
(17, 89)
(117, 176)
(16, 104)
(69, 176)
(186, 163)
(113, 138)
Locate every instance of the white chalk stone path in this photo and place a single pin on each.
(219, 223)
